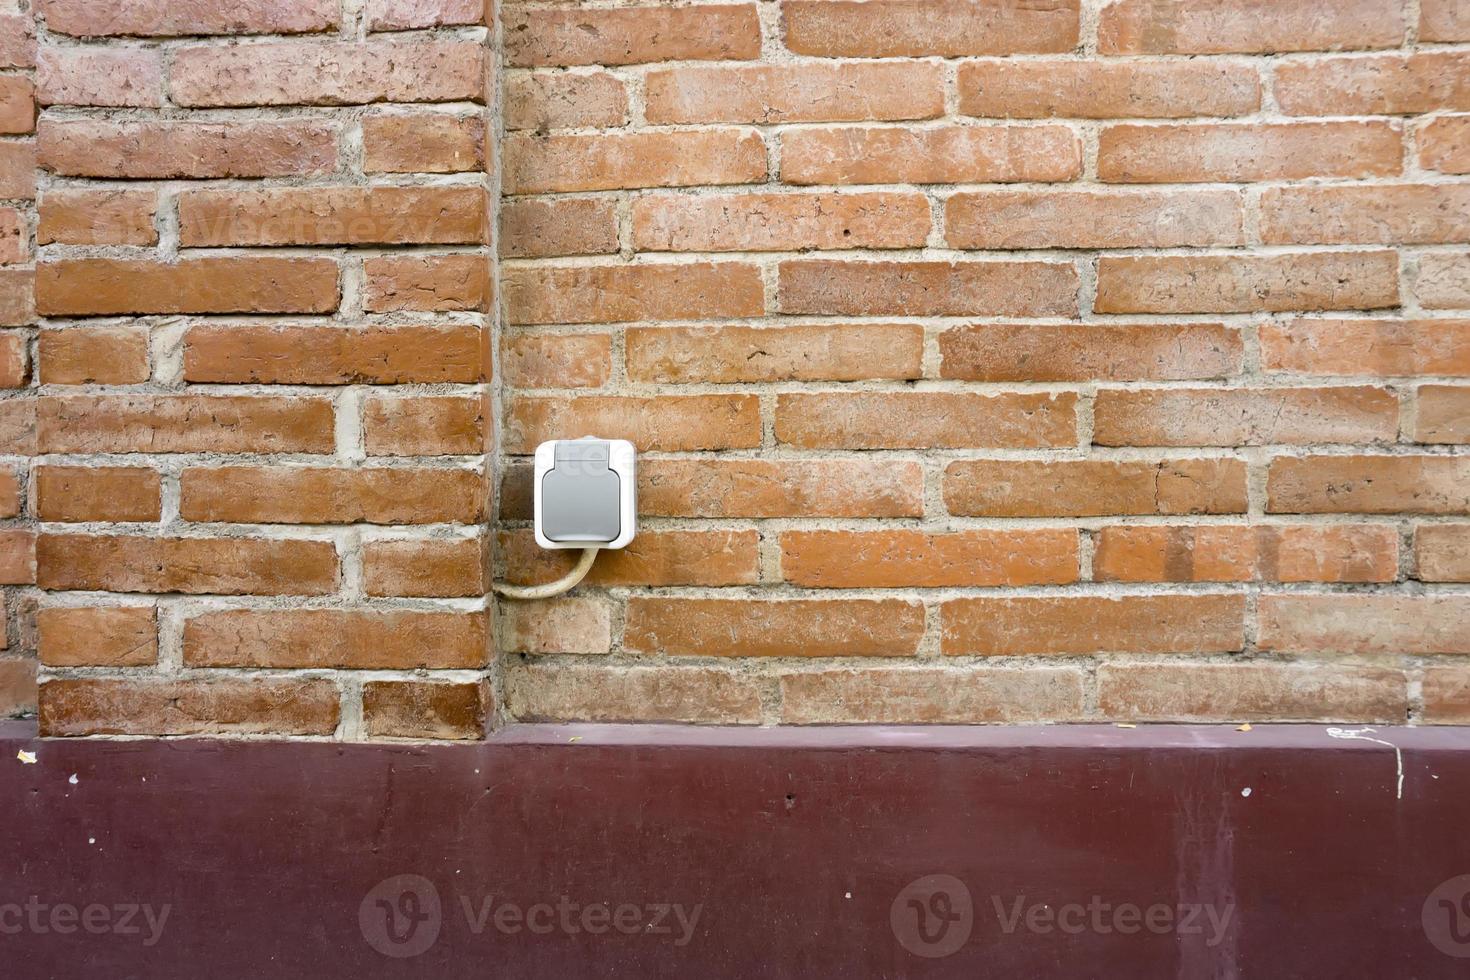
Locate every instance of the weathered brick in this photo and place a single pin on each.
(448, 425)
(186, 423)
(654, 424)
(1249, 26)
(1093, 219)
(1090, 352)
(812, 92)
(346, 639)
(575, 625)
(1443, 20)
(428, 283)
(1369, 485)
(244, 353)
(1365, 624)
(202, 566)
(18, 170)
(404, 15)
(1244, 416)
(1252, 692)
(560, 360)
(927, 288)
(17, 297)
(253, 284)
(17, 105)
(1443, 415)
(709, 558)
(98, 217)
(926, 419)
(1444, 145)
(947, 155)
(422, 142)
(701, 695)
(441, 568)
(918, 559)
(333, 216)
(1099, 90)
(536, 164)
(837, 352)
(1247, 283)
(1384, 85)
(1094, 487)
(258, 706)
(780, 222)
(775, 628)
(17, 41)
(915, 28)
(344, 73)
(17, 431)
(14, 361)
(1367, 347)
(97, 636)
(1443, 281)
(11, 504)
(1442, 552)
(755, 488)
(323, 495)
(168, 18)
(1252, 553)
(1080, 625)
(17, 556)
(123, 77)
(973, 695)
(1446, 695)
(1411, 214)
(616, 293)
(184, 148)
(424, 709)
(631, 35)
(97, 493)
(558, 226)
(560, 100)
(15, 245)
(1248, 151)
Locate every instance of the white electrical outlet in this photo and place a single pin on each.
(586, 493)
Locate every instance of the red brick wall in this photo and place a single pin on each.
(990, 361)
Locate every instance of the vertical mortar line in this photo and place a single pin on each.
(494, 389)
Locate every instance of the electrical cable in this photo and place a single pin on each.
(566, 583)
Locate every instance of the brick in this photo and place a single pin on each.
(1248, 26)
(618, 293)
(1254, 553)
(1443, 20)
(1446, 696)
(17, 297)
(1367, 347)
(15, 246)
(98, 217)
(243, 353)
(631, 35)
(121, 78)
(1412, 214)
(708, 558)
(17, 433)
(1044, 89)
(405, 15)
(1244, 416)
(1093, 219)
(1442, 552)
(258, 706)
(1252, 692)
(1444, 145)
(721, 355)
(254, 284)
(780, 628)
(93, 493)
(545, 101)
(178, 148)
(1094, 487)
(168, 18)
(1443, 415)
(97, 636)
(926, 420)
(917, 559)
(779, 222)
(185, 423)
(426, 142)
(17, 557)
(754, 488)
(916, 28)
(442, 568)
(427, 283)
(556, 360)
(450, 425)
(322, 495)
(17, 41)
(1443, 281)
(927, 288)
(536, 164)
(194, 566)
(1383, 85)
(1090, 352)
(1369, 485)
(653, 424)
(333, 216)
(343, 73)
(344, 639)
(575, 625)
(422, 709)
(927, 696)
(810, 92)
(558, 226)
(1083, 625)
(1248, 151)
(946, 155)
(11, 503)
(18, 170)
(13, 360)
(17, 105)
(699, 695)
(1365, 624)
(1247, 283)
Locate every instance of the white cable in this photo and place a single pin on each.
(566, 583)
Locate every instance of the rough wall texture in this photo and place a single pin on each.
(991, 360)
